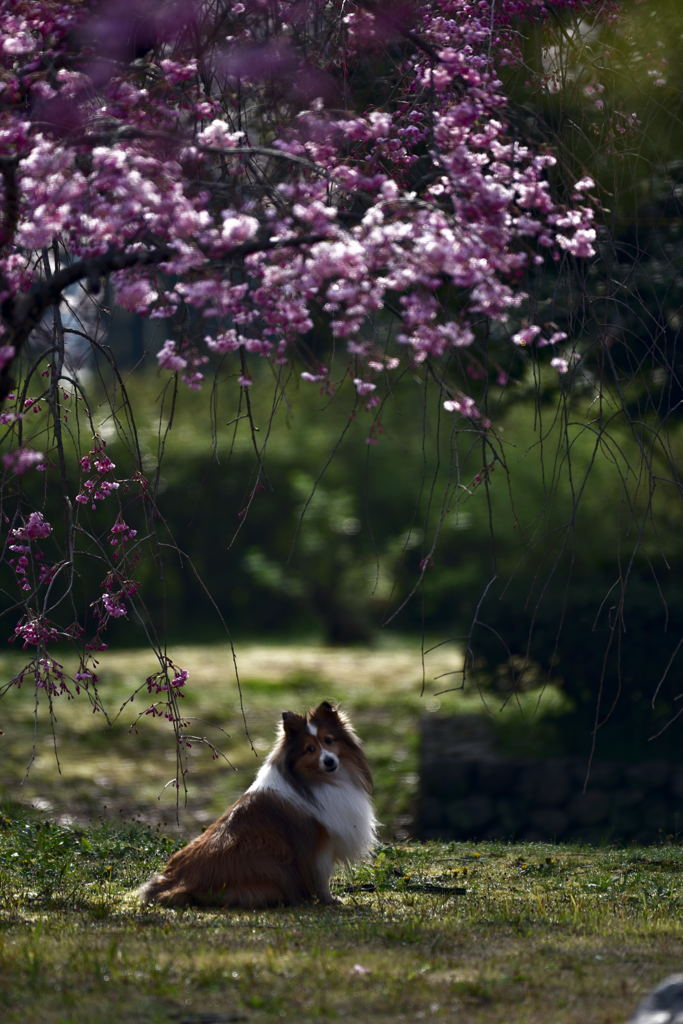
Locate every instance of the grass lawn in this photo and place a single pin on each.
(496, 932)
(453, 932)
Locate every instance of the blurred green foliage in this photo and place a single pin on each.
(550, 548)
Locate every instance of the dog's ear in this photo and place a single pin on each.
(292, 722)
(326, 708)
(337, 720)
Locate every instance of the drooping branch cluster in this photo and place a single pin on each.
(250, 170)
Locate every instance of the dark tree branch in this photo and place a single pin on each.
(23, 312)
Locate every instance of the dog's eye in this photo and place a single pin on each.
(310, 749)
(329, 739)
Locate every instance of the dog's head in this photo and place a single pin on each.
(320, 744)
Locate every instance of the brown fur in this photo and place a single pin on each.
(256, 855)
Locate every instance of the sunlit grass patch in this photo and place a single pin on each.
(122, 764)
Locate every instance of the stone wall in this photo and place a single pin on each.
(469, 791)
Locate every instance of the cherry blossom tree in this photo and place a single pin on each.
(339, 188)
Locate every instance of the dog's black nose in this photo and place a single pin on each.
(329, 763)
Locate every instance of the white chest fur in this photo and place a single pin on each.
(344, 809)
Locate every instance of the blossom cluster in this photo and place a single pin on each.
(118, 587)
(99, 485)
(27, 555)
(132, 167)
(20, 460)
(49, 675)
(36, 631)
(169, 680)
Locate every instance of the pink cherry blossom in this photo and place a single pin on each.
(219, 134)
(168, 357)
(21, 460)
(35, 527)
(527, 335)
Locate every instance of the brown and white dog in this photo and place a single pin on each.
(308, 809)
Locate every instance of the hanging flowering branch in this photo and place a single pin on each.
(252, 170)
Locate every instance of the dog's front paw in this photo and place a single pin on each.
(328, 900)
